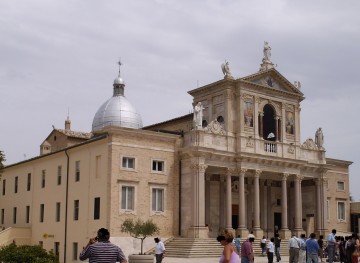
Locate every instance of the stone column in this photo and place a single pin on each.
(319, 211)
(207, 199)
(228, 225)
(258, 232)
(222, 204)
(323, 203)
(298, 205)
(198, 229)
(261, 115)
(264, 220)
(277, 128)
(242, 229)
(284, 231)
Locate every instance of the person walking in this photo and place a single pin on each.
(238, 244)
(302, 250)
(270, 250)
(277, 247)
(99, 249)
(263, 246)
(331, 242)
(312, 249)
(294, 246)
(247, 253)
(228, 255)
(321, 245)
(159, 250)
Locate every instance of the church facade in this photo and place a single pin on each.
(236, 163)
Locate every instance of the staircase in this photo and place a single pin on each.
(179, 247)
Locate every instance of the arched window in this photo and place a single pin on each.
(220, 119)
(269, 123)
(204, 123)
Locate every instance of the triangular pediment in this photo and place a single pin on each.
(272, 79)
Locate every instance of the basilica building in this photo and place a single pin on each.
(235, 163)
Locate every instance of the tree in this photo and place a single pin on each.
(34, 254)
(140, 229)
(2, 160)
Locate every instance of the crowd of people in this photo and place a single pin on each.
(302, 249)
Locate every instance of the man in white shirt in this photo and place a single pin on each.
(302, 250)
(294, 246)
(159, 250)
(331, 242)
(270, 249)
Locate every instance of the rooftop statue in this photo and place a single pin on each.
(198, 115)
(319, 138)
(267, 52)
(297, 84)
(226, 70)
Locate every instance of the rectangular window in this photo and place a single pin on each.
(27, 219)
(57, 216)
(59, 172)
(128, 162)
(158, 166)
(42, 210)
(340, 185)
(41, 244)
(14, 215)
(57, 249)
(76, 210)
(4, 187)
(16, 184)
(28, 184)
(158, 200)
(98, 166)
(75, 251)
(77, 171)
(127, 197)
(341, 211)
(43, 174)
(97, 208)
(2, 216)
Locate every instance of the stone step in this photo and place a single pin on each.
(199, 248)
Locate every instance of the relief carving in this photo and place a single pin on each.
(215, 127)
(309, 144)
(250, 142)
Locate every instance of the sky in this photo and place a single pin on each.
(60, 57)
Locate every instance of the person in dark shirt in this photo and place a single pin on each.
(277, 241)
(321, 244)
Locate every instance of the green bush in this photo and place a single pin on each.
(26, 254)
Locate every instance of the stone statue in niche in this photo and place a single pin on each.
(319, 138)
(198, 115)
(226, 70)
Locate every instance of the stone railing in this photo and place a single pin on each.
(270, 147)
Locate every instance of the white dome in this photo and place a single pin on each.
(117, 111)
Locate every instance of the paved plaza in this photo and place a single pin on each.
(215, 260)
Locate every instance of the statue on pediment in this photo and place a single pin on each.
(297, 84)
(319, 138)
(267, 52)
